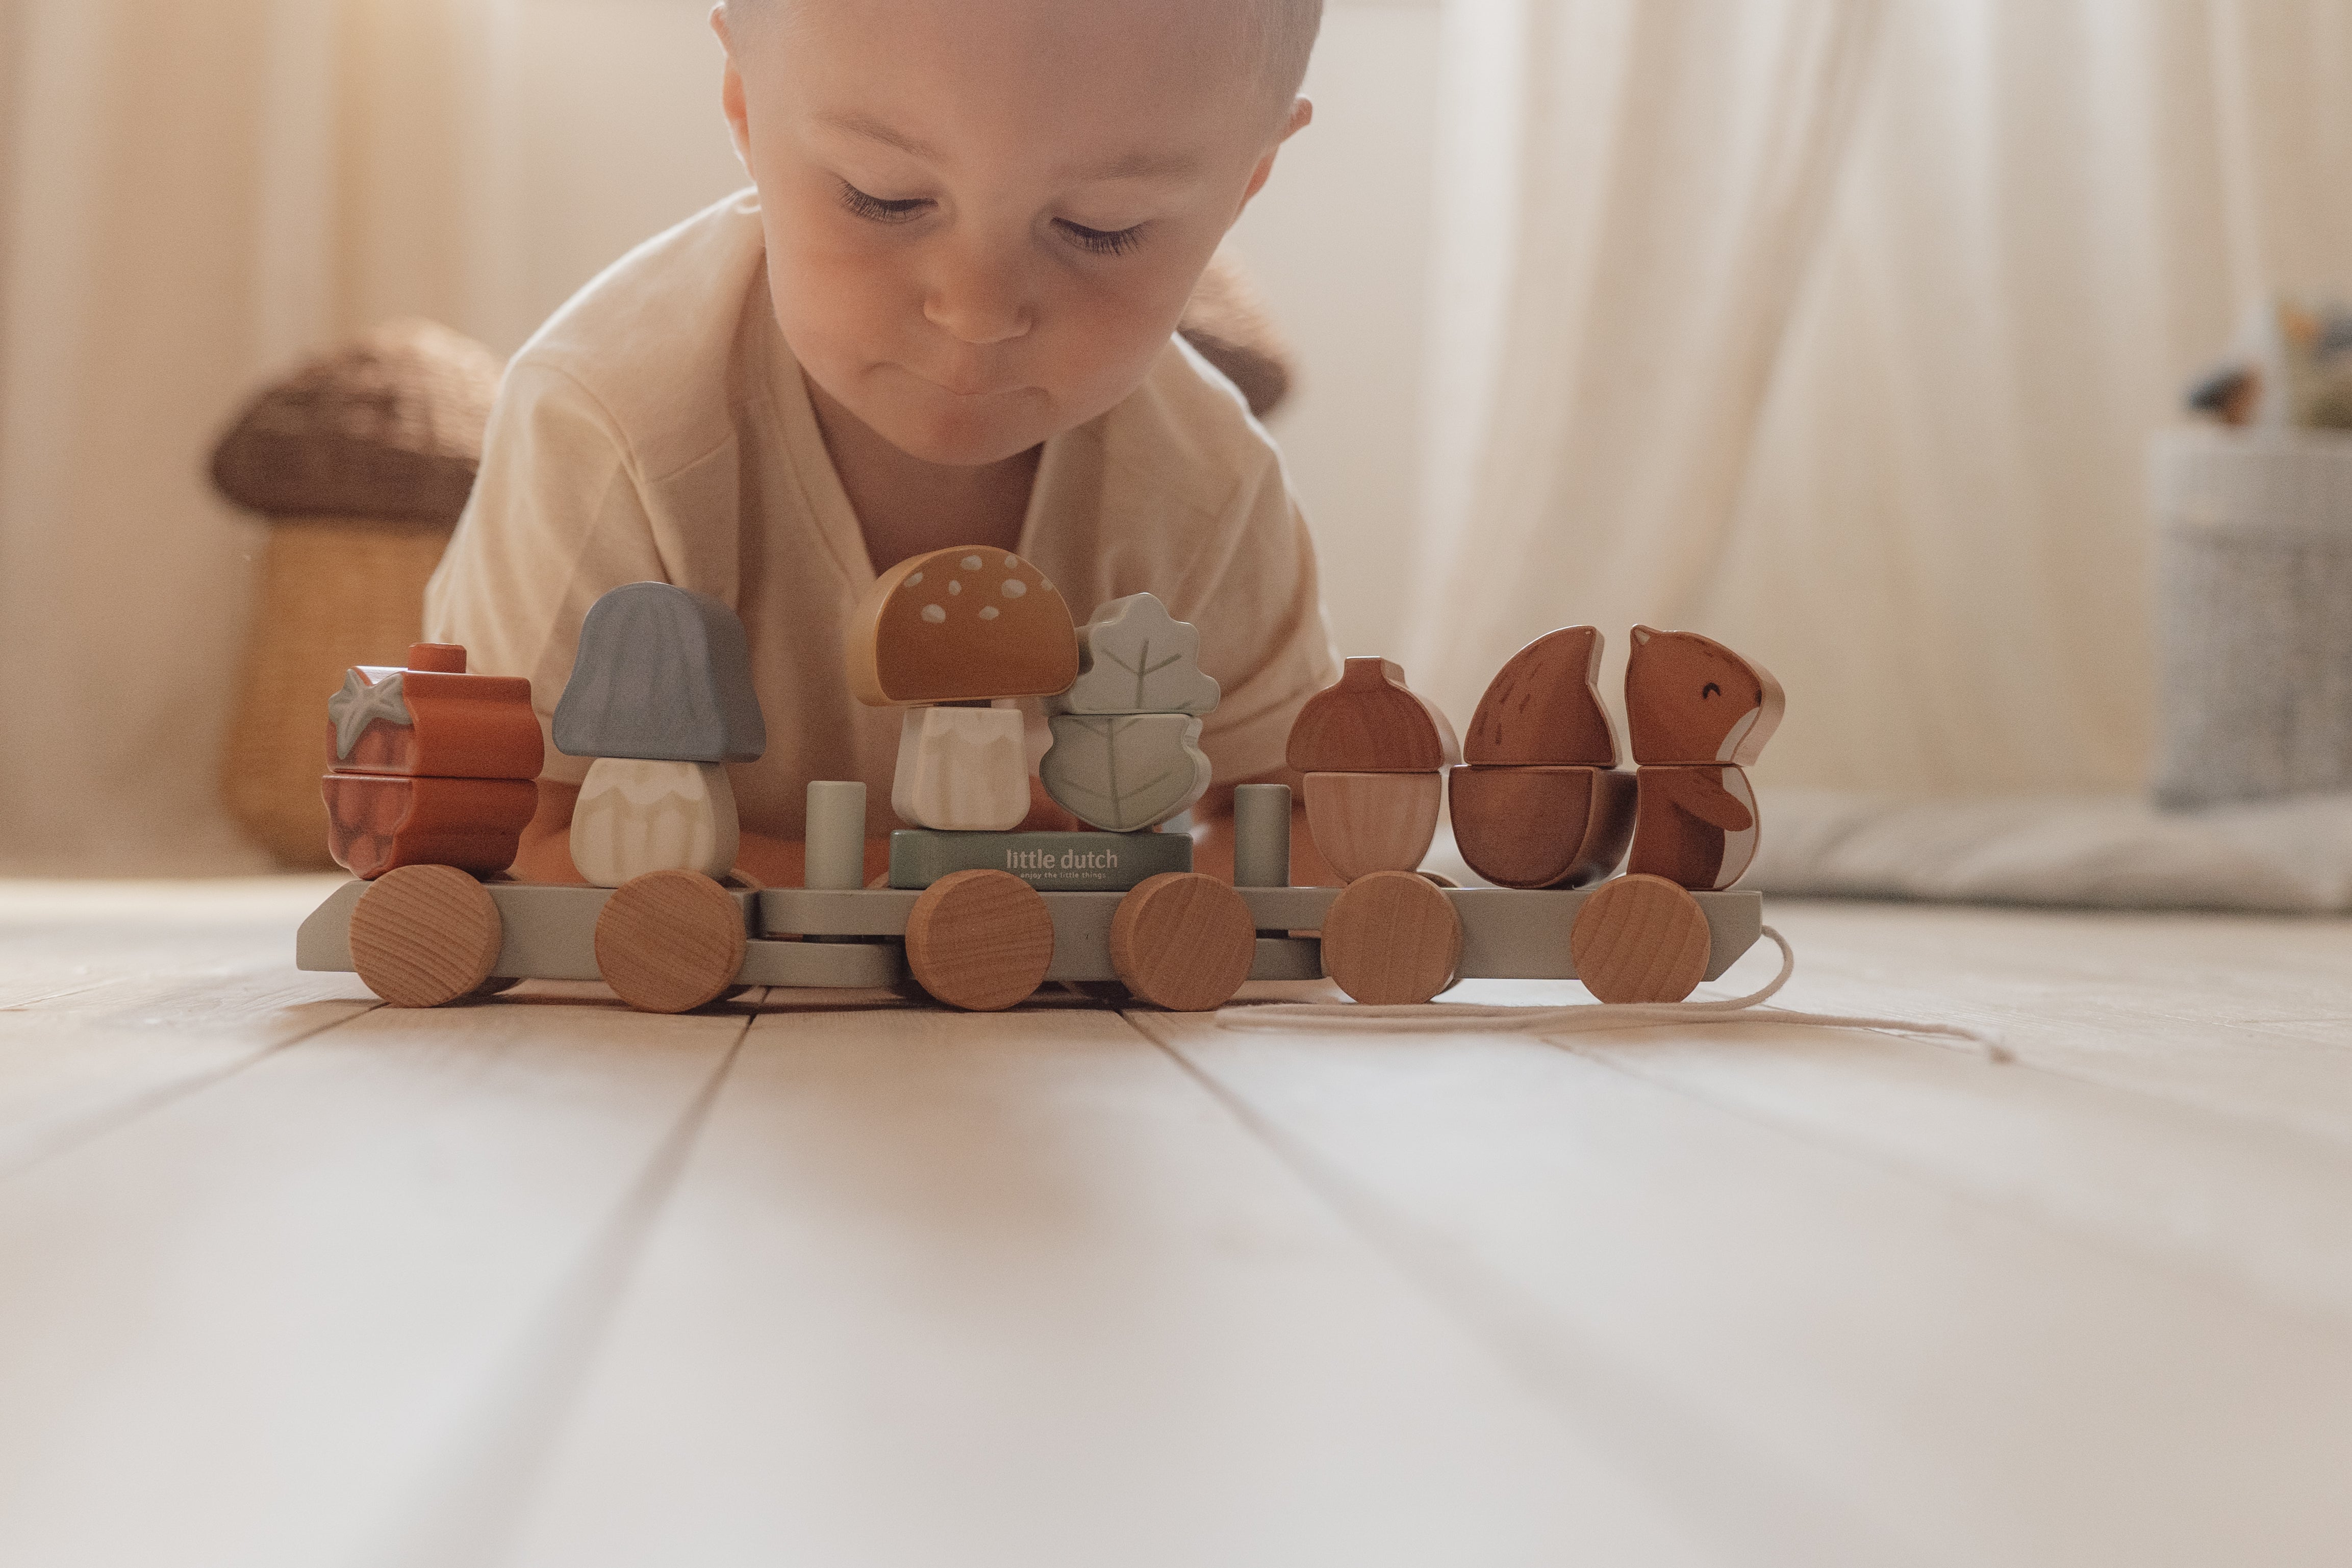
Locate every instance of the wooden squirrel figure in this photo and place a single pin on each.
(1699, 714)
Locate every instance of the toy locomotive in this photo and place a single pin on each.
(431, 785)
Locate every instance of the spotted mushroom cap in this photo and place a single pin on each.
(963, 625)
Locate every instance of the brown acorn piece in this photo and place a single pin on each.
(1364, 823)
(1542, 827)
(1543, 709)
(1540, 805)
(1374, 755)
(1370, 723)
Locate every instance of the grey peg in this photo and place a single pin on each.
(835, 848)
(1262, 835)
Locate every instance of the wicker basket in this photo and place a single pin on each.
(335, 592)
(2253, 614)
(362, 461)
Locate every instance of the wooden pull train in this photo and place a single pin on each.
(430, 784)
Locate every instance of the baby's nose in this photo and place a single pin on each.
(978, 300)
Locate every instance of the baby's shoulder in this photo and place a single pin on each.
(1188, 433)
(653, 342)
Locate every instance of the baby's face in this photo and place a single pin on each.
(984, 217)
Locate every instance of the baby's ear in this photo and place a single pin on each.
(730, 97)
(1301, 113)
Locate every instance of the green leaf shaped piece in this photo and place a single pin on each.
(1125, 771)
(1135, 657)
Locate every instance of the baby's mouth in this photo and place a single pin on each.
(966, 391)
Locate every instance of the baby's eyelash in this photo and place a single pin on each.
(1101, 241)
(878, 210)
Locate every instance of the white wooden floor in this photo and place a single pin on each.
(290, 1279)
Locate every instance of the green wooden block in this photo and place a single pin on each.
(1050, 862)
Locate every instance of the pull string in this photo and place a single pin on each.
(1459, 1017)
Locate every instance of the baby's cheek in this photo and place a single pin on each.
(1103, 347)
(831, 309)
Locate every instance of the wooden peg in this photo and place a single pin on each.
(1689, 699)
(1370, 722)
(1640, 939)
(1543, 709)
(1391, 939)
(1541, 827)
(424, 935)
(980, 940)
(835, 835)
(1262, 835)
(1364, 823)
(1182, 941)
(964, 624)
(669, 940)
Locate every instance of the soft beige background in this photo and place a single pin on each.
(1834, 327)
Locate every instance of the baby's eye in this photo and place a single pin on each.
(878, 210)
(1102, 241)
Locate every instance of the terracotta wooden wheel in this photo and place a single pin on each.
(1640, 939)
(670, 941)
(1182, 941)
(424, 935)
(980, 940)
(1391, 939)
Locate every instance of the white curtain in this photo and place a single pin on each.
(193, 193)
(1835, 329)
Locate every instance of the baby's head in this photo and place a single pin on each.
(984, 217)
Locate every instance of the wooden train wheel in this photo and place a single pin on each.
(1640, 939)
(1391, 939)
(669, 940)
(980, 940)
(424, 935)
(1182, 941)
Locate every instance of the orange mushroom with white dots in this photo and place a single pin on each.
(944, 635)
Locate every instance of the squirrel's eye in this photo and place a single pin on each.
(1710, 690)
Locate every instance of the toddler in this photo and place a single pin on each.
(944, 314)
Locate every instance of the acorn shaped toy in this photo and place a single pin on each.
(429, 765)
(1374, 755)
(1541, 802)
(1125, 754)
(945, 635)
(661, 696)
(1699, 715)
